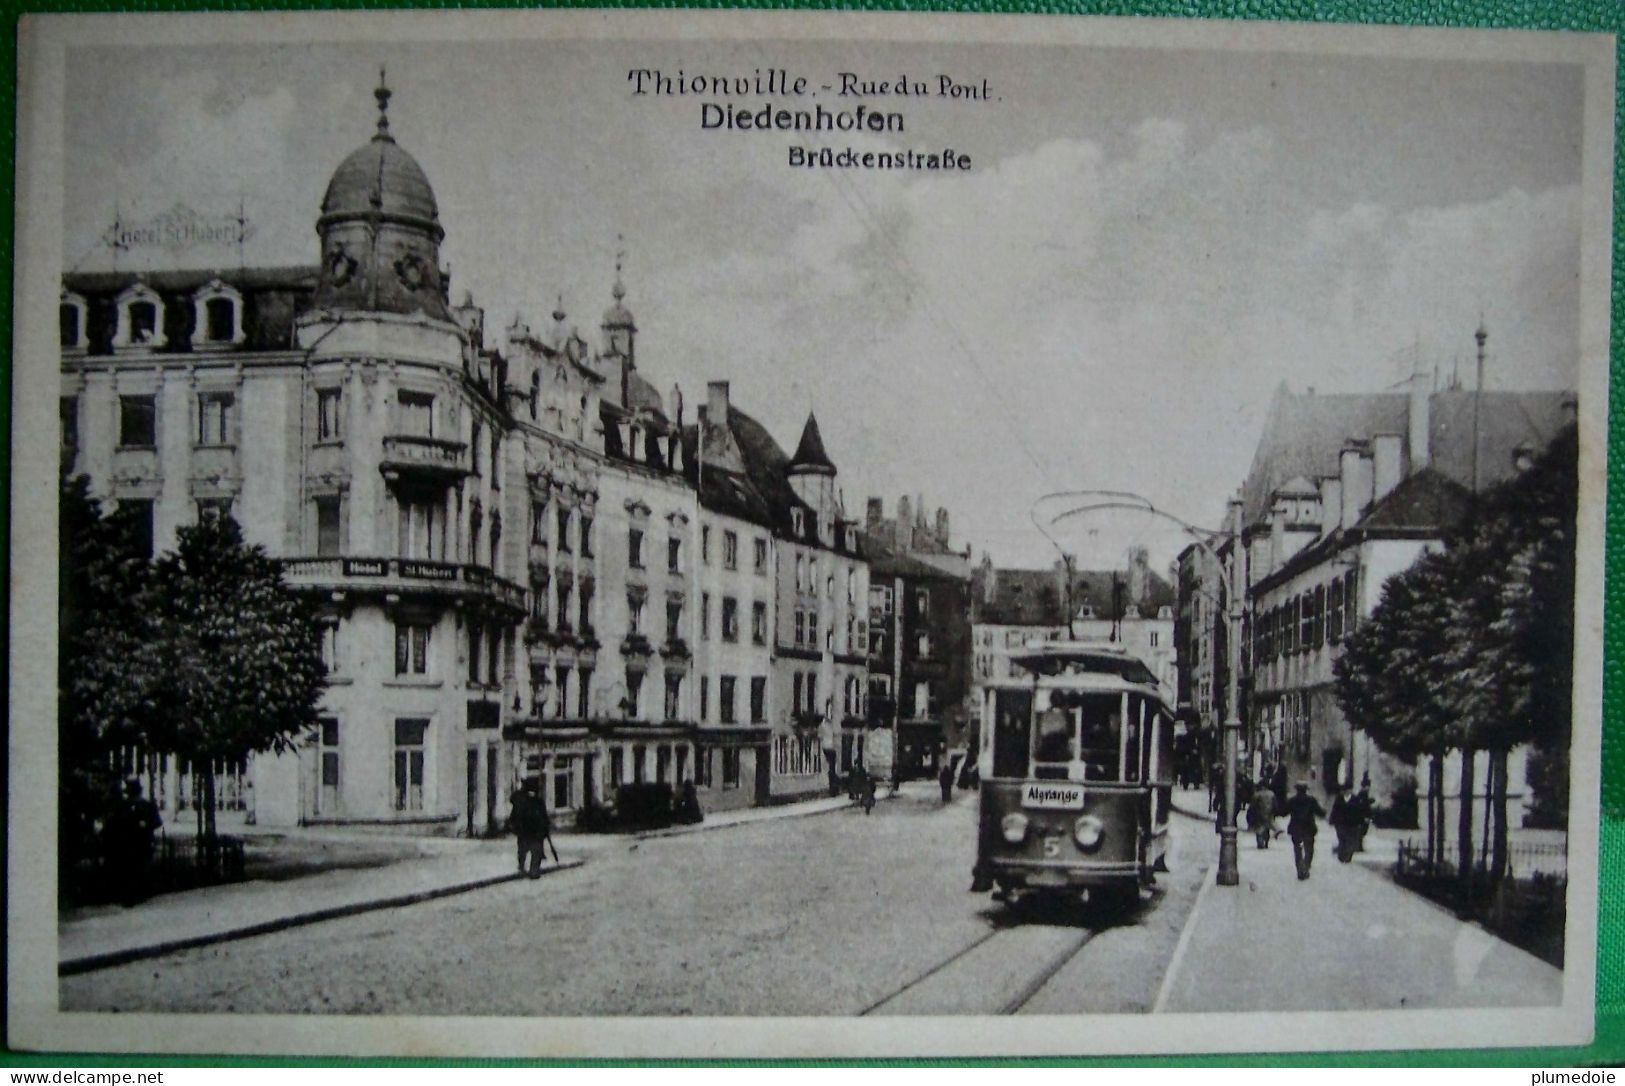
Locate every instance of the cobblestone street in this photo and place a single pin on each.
(830, 915)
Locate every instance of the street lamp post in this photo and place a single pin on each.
(1227, 875)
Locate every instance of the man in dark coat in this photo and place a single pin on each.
(1301, 811)
(529, 823)
(1261, 814)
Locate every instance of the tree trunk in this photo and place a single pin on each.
(208, 794)
(1464, 829)
(1498, 855)
(1435, 812)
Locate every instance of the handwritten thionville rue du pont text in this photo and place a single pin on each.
(776, 100)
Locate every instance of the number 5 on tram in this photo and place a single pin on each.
(1076, 761)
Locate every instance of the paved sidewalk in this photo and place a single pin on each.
(1348, 938)
(440, 867)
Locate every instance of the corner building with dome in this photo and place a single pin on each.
(527, 562)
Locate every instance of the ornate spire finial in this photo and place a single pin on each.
(558, 308)
(382, 94)
(619, 289)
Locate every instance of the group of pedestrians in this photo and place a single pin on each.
(1349, 817)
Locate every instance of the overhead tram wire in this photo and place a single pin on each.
(867, 215)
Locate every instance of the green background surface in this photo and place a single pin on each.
(1604, 16)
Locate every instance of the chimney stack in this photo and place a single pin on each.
(1355, 471)
(1139, 575)
(1417, 420)
(1331, 504)
(905, 523)
(1386, 450)
(942, 526)
(716, 405)
(676, 403)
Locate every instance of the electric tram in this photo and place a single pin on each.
(1076, 761)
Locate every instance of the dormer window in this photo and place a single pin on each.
(71, 316)
(217, 319)
(140, 322)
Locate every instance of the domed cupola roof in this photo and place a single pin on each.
(380, 232)
(379, 178)
(617, 315)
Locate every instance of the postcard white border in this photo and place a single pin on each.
(32, 945)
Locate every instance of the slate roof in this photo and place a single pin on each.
(1426, 500)
(1033, 597)
(810, 452)
(272, 298)
(884, 560)
(1426, 503)
(1305, 434)
(766, 473)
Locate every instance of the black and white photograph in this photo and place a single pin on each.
(659, 534)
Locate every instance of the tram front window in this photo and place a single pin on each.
(1078, 738)
(1055, 744)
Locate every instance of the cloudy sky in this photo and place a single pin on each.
(1148, 243)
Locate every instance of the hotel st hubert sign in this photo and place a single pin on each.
(180, 230)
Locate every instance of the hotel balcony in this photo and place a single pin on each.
(404, 577)
(425, 459)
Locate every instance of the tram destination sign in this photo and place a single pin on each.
(1049, 796)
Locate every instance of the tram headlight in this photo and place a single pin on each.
(1014, 827)
(1088, 831)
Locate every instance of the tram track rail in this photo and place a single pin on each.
(1035, 983)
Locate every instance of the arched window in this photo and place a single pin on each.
(217, 316)
(140, 318)
(535, 392)
(71, 314)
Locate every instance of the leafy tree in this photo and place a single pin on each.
(108, 665)
(1513, 663)
(1392, 678)
(242, 653)
(1472, 648)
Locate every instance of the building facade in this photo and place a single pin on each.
(526, 562)
(919, 636)
(343, 416)
(1011, 608)
(1344, 492)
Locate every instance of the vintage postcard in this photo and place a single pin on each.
(779, 535)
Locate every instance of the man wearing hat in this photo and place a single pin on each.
(1301, 811)
(529, 823)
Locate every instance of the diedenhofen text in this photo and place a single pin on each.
(776, 114)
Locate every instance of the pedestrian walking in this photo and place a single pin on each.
(945, 780)
(1362, 807)
(1301, 811)
(1278, 785)
(1261, 814)
(529, 822)
(1344, 820)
